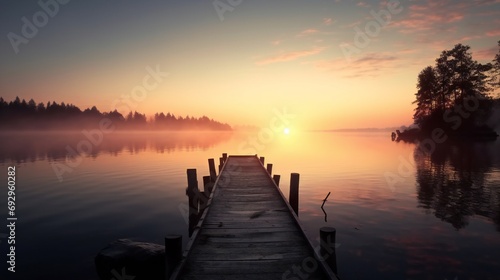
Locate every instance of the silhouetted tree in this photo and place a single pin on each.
(426, 95)
(19, 114)
(495, 73)
(455, 77)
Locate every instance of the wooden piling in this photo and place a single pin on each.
(206, 181)
(221, 162)
(192, 180)
(294, 192)
(211, 168)
(262, 160)
(327, 236)
(270, 168)
(173, 253)
(276, 179)
(224, 156)
(193, 198)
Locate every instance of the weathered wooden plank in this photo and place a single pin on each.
(241, 224)
(204, 239)
(247, 255)
(278, 245)
(259, 276)
(242, 267)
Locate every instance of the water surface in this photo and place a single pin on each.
(399, 214)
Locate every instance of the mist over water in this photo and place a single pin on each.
(440, 220)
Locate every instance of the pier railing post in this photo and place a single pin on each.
(206, 181)
(276, 179)
(262, 159)
(173, 253)
(224, 156)
(270, 168)
(211, 168)
(294, 192)
(192, 180)
(327, 236)
(193, 198)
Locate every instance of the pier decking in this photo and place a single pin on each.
(249, 231)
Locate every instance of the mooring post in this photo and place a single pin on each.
(276, 179)
(224, 156)
(206, 180)
(192, 181)
(221, 161)
(193, 198)
(294, 192)
(270, 168)
(211, 168)
(173, 253)
(327, 236)
(262, 160)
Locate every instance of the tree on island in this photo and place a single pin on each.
(454, 95)
(495, 72)
(19, 114)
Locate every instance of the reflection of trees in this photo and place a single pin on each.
(454, 182)
(22, 147)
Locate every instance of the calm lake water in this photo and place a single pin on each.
(398, 214)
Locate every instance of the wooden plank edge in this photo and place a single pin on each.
(326, 269)
(177, 272)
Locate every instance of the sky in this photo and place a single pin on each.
(331, 64)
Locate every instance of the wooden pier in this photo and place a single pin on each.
(249, 230)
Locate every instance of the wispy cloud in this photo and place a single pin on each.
(276, 42)
(485, 54)
(327, 21)
(288, 56)
(368, 65)
(431, 17)
(493, 33)
(363, 4)
(485, 2)
(308, 32)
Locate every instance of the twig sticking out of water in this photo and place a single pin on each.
(324, 200)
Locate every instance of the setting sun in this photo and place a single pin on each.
(286, 131)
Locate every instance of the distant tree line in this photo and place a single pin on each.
(22, 114)
(455, 94)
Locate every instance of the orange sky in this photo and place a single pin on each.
(240, 64)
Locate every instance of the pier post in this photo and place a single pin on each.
(192, 180)
(173, 253)
(327, 236)
(224, 156)
(211, 168)
(276, 179)
(221, 161)
(206, 181)
(193, 199)
(294, 192)
(262, 160)
(270, 168)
